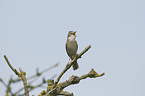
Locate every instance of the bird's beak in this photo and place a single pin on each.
(75, 34)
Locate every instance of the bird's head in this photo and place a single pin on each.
(71, 33)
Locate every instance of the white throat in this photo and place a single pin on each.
(72, 38)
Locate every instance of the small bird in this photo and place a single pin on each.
(72, 47)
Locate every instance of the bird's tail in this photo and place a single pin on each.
(75, 65)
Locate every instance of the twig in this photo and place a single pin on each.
(36, 75)
(64, 93)
(40, 73)
(20, 89)
(91, 74)
(9, 87)
(21, 75)
(1, 80)
(31, 88)
(14, 70)
(70, 64)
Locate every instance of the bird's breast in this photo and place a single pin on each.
(71, 48)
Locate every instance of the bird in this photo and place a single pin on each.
(72, 47)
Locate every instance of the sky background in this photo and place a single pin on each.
(33, 35)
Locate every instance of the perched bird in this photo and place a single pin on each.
(72, 47)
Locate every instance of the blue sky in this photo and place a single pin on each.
(33, 35)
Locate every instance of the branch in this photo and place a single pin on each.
(35, 76)
(21, 75)
(14, 70)
(40, 73)
(30, 88)
(70, 64)
(37, 73)
(75, 79)
(64, 93)
(9, 87)
(91, 74)
(71, 81)
(1, 80)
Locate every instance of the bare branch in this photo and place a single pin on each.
(91, 74)
(71, 81)
(14, 70)
(1, 80)
(40, 73)
(70, 64)
(21, 75)
(66, 93)
(75, 79)
(23, 78)
(53, 88)
(9, 87)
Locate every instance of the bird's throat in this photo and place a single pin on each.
(71, 38)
